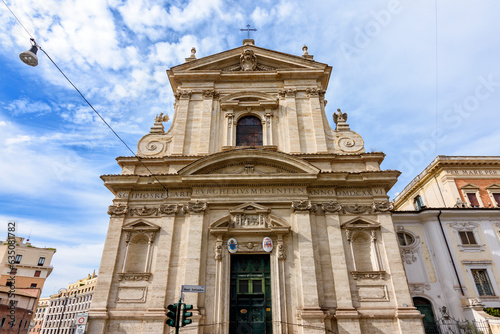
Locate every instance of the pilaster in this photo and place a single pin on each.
(317, 119)
(164, 250)
(311, 314)
(292, 123)
(196, 211)
(346, 315)
(206, 121)
(182, 112)
(98, 312)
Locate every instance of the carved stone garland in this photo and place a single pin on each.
(195, 207)
(375, 207)
(303, 205)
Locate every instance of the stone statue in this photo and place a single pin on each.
(160, 118)
(339, 117)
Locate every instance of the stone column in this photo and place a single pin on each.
(229, 129)
(269, 127)
(219, 286)
(279, 288)
(196, 211)
(311, 313)
(98, 313)
(346, 315)
(292, 123)
(182, 111)
(317, 119)
(206, 121)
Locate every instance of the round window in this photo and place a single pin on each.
(405, 239)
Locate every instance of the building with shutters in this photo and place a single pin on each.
(252, 194)
(448, 225)
(30, 268)
(57, 314)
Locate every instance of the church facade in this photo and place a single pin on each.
(251, 194)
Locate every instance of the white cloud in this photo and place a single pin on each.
(18, 139)
(28, 106)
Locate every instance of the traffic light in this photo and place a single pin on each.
(186, 315)
(173, 320)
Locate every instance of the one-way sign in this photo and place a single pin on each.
(193, 288)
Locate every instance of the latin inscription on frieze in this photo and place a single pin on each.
(244, 191)
(154, 195)
(249, 191)
(339, 192)
(472, 172)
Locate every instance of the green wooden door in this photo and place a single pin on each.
(250, 308)
(425, 307)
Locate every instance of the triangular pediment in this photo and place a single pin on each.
(251, 162)
(494, 186)
(140, 224)
(469, 186)
(359, 223)
(249, 62)
(250, 207)
(266, 60)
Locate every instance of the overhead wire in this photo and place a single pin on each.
(18, 20)
(436, 75)
(83, 97)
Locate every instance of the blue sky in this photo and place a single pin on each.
(385, 60)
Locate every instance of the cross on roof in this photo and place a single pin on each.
(248, 30)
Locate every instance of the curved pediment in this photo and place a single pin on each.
(249, 96)
(249, 161)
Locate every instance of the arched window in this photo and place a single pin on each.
(249, 131)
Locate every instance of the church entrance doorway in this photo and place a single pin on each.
(250, 306)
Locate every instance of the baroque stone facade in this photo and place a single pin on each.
(284, 220)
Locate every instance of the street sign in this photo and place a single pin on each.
(81, 319)
(80, 329)
(193, 288)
